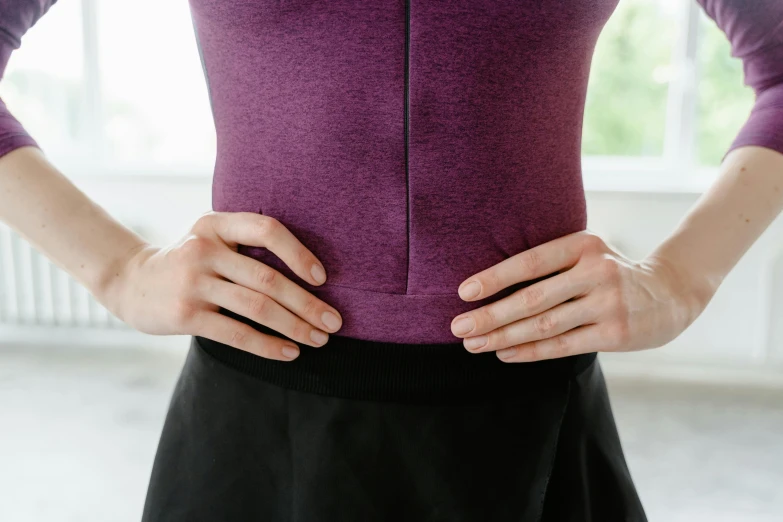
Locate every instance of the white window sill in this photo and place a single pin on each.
(645, 175)
(696, 181)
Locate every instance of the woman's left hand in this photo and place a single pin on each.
(598, 300)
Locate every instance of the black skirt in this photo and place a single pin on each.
(369, 431)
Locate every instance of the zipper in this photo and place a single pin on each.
(405, 120)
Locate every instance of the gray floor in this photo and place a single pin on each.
(78, 431)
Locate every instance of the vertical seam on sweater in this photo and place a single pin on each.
(406, 138)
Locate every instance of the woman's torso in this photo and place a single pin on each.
(407, 144)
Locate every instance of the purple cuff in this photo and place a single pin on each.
(764, 126)
(9, 143)
(12, 134)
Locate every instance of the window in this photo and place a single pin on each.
(100, 105)
(43, 83)
(155, 100)
(665, 96)
(625, 110)
(724, 101)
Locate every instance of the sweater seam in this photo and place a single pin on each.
(406, 139)
(29, 141)
(15, 135)
(775, 40)
(13, 42)
(776, 84)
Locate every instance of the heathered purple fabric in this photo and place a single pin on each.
(309, 106)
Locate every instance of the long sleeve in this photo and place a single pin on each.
(16, 17)
(755, 30)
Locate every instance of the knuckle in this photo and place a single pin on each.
(486, 319)
(531, 260)
(301, 330)
(310, 307)
(268, 226)
(500, 338)
(544, 324)
(592, 242)
(194, 248)
(238, 338)
(554, 348)
(531, 297)
(608, 268)
(303, 256)
(489, 280)
(562, 344)
(258, 305)
(204, 220)
(266, 277)
(533, 353)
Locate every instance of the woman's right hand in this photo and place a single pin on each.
(180, 288)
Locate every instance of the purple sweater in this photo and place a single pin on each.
(411, 144)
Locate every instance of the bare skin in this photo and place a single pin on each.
(598, 300)
(176, 289)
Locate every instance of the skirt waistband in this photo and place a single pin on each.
(376, 370)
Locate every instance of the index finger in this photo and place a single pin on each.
(258, 230)
(257, 276)
(533, 263)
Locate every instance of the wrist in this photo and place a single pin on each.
(116, 277)
(693, 288)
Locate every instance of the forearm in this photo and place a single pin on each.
(63, 223)
(726, 220)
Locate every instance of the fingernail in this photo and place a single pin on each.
(290, 351)
(318, 337)
(470, 290)
(463, 325)
(508, 352)
(473, 343)
(318, 273)
(330, 320)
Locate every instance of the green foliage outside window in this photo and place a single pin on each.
(625, 112)
(724, 102)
